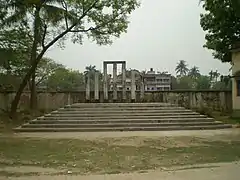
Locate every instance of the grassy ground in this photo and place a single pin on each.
(22, 117)
(224, 117)
(114, 155)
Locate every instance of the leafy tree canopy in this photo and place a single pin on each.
(221, 21)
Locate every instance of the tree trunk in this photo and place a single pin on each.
(17, 97)
(29, 85)
(33, 98)
(34, 62)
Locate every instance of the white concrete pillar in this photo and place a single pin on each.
(133, 86)
(142, 91)
(69, 99)
(115, 81)
(88, 87)
(96, 86)
(105, 83)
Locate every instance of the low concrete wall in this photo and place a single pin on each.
(216, 100)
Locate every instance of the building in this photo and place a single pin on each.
(119, 84)
(157, 81)
(152, 81)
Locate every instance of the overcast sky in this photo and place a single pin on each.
(159, 35)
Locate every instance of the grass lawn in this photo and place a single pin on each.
(114, 155)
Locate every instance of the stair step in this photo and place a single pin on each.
(123, 105)
(105, 114)
(113, 125)
(120, 111)
(120, 117)
(122, 129)
(66, 121)
(122, 108)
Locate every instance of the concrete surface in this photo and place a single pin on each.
(95, 135)
(227, 171)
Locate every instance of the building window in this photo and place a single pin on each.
(127, 88)
(238, 87)
(152, 88)
(147, 88)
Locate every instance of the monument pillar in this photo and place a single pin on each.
(88, 88)
(142, 91)
(124, 96)
(105, 83)
(236, 81)
(133, 87)
(96, 86)
(114, 82)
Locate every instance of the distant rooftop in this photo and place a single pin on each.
(151, 72)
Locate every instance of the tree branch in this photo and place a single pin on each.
(42, 78)
(64, 4)
(98, 26)
(64, 32)
(44, 35)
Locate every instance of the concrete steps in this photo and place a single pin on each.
(113, 125)
(121, 117)
(116, 121)
(122, 129)
(53, 117)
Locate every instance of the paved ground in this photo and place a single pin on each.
(225, 133)
(228, 171)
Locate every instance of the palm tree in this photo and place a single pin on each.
(181, 69)
(90, 69)
(216, 75)
(194, 72)
(211, 75)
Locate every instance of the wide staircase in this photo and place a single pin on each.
(121, 117)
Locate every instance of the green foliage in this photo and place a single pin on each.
(195, 80)
(185, 82)
(181, 69)
(15, 49)
(46, 68)
(194, 72)
(203, 83)
(65, 79)
(221, 21)
(14, 55)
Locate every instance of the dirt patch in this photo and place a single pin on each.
(172, 142)
(127, 141)
(158, 142)
(29, 169)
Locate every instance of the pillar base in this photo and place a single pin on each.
(97, 101)
(124, 101)
(133, 100)
(235, 114)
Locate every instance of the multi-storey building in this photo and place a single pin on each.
(157, 81)
(152, 81)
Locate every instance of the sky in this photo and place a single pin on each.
(160, 34)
